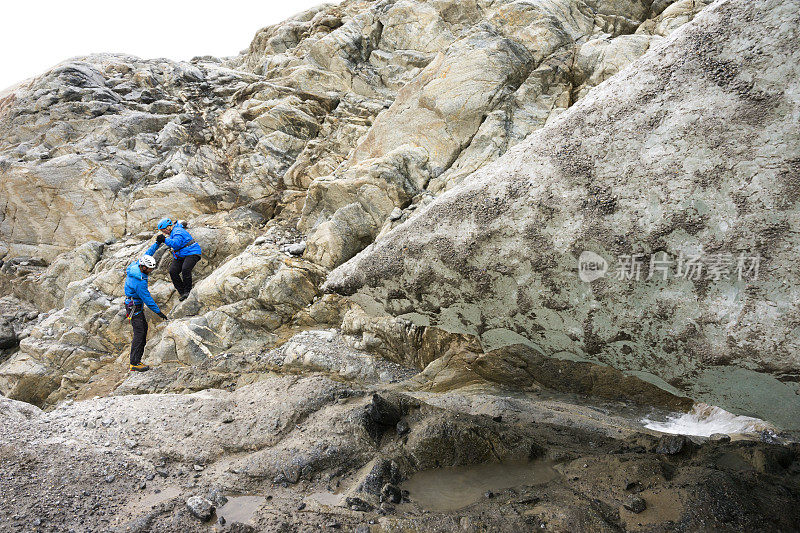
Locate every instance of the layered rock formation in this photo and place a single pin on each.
(681, 174)
(333, 127)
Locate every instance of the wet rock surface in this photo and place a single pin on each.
(67, 458)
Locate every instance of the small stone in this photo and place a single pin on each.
(107, 422)
(260, 240)
(217, 497)
(402, 427)
(110, 478)
(227, 418)
(357, 504)
(301, 506)
(671, 444)
(497, 418)
(770, 437)
(297, 248)
(150, 477)
(200, 507)
(635, 504)
(142, 485)
(489, 494)
(221, 520)
(198, 468)
(395, 214)
(333, 525)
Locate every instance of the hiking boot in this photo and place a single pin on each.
(139, 368)
(183, 296)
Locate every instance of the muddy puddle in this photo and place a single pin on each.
(144, 502)
(449, 489)
(155, 498)
(330, 499)
(240, 509)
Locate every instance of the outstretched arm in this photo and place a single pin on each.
(144, 294)
(153, 248)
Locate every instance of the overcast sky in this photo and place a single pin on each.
(35, 35)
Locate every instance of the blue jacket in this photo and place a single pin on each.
(136, 284)
(180, 237)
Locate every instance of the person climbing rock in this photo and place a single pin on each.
(185, 254)
(136, 296)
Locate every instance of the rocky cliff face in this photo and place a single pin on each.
(332, 128)
(681, 174)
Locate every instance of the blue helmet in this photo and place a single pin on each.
(164, 223)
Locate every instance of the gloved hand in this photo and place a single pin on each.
(162, 315)
(160, 238)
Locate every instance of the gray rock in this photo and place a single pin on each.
(200, 507)
(357, 504)
(635, 504)
(384, 411)
(671, 444)
(384, 471)
(297, 248)
(402, 427)
(470, 248)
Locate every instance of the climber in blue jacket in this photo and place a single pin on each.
(185, 254)
(137, 295)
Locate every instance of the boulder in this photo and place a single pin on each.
(200, 507)
(678, 294)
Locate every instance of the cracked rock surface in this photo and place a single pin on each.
(673, 162)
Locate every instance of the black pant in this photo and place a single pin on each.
(139, 336)
(181, 272)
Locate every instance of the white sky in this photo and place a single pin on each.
(35, 35)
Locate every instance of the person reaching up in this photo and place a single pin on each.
(185, 254)
(137, 295)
